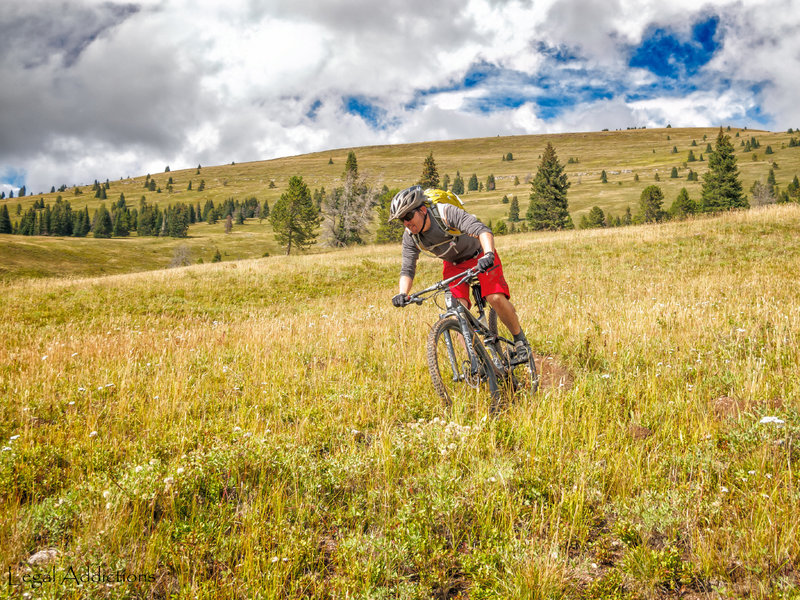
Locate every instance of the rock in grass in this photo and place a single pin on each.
(43, 557)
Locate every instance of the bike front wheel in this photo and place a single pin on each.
(450, 367)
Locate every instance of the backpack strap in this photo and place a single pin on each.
(437, 219)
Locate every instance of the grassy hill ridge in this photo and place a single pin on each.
(267, 427)
(624, 155)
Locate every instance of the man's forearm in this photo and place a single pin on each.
(487, 242)
(405, 284)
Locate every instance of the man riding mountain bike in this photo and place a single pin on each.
(462, 242)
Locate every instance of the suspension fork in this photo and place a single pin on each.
(454, 306)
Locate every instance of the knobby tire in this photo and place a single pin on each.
(439, 364)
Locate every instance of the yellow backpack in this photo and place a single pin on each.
(435, 197)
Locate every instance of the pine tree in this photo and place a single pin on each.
(294, 217)
(472, 184)
(596, 218)
(650, 203)
(28, 224)
(722, 189)
(683, 205)
(430, 176)
(603, 177)
(490, 183)
(548, 199)
(458, 184)
(102, 223)
(120, 227)
(388, 231)
(351, 164)
(5, 220)
(513, 210)
(674, 174)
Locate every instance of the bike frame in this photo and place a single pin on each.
(468, 324)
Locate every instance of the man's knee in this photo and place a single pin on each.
(497, 299)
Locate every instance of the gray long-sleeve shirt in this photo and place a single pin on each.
(465, 246)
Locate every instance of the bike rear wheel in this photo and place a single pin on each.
(449, 364)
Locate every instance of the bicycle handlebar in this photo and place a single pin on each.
(422, 295)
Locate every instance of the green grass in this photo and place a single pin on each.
(267, 428)
(622, 154)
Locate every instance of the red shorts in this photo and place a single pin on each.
(492, 282)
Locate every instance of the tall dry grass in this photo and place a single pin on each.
(267, 428)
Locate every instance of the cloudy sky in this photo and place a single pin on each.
(103, 90)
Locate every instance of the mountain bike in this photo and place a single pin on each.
(465, 352)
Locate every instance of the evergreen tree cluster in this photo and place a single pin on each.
(120, 220)
(42, 219)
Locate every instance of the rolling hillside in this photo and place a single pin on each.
(624, 155)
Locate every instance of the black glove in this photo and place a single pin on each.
(486, 261)
(400, 300)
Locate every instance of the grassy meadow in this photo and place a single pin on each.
(624, 155)
(266, 428)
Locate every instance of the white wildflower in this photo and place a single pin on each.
(769, 475)
(274, 559)
(751, 472)
(107, 494)
(92, 434)
(605, 376)
(180, 471)
(74, 354)
(723, 489)
(44, 357)
(169, 480)
(6, 449)
(491, 480)
(775, 420)
(81, 389)
(139, 469)
(237, 429)
(13, 437)
(72, 402)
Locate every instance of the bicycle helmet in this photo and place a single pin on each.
(406, 201)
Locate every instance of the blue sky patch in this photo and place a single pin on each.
(371, 113)
(12, 177)
(314, 109)
(667, 54)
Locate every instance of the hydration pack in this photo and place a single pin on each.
(436, 197)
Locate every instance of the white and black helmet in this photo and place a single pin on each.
(406, 201)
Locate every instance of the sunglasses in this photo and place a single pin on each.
(408, 216)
